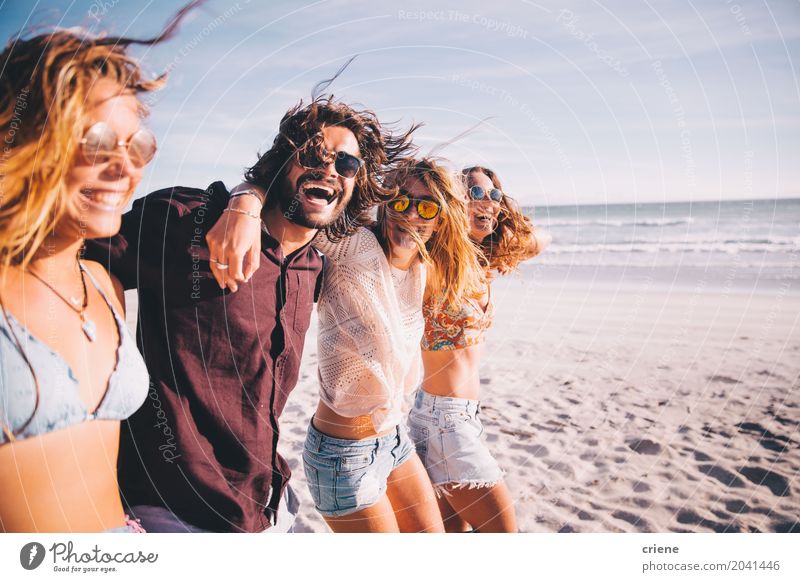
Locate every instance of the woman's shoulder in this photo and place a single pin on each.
(110, 286)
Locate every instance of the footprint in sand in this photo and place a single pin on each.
(737, 506)
(537, 451)
(640, 487)
(723, 379)
(638, 522)
(773, 446)
(562, 469)
(698, 456)
(769, 440)
(687, 516)
(720, 514)
(644, 446)
(723, 476)
(773, 481)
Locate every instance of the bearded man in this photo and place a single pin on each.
(201, 453)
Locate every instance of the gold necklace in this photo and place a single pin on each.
(87, 325)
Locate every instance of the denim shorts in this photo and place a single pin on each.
(447, 433)
(345, 476)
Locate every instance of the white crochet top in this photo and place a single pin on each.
(370, 327)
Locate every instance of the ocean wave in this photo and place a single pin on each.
(729, 247)
(647, 222)
(721, 239)
(577, 261)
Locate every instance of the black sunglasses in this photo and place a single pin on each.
(479, 193)
(346, 165)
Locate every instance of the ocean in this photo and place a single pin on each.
(737, 245)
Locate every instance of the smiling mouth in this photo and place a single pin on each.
(484, 220)
(317, 191)
(109, 200)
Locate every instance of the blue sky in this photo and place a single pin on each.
(590, 102)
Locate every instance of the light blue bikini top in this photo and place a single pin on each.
(60, 404)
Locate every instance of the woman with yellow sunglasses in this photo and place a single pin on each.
(362, 469)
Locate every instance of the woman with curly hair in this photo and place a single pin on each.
(444, 421)
(74, 152)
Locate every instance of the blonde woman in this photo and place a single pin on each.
(69, 369)
(444, 421)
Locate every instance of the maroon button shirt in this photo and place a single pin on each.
(204, 444)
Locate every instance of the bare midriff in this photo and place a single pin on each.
(334, 425)
(62, 481)
(453, 373)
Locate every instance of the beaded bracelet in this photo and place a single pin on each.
(246, 193)
(245, 212)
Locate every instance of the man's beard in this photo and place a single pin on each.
(291, 205)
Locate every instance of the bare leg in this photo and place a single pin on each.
(488, 509)
(374, 519)
(453, 523)
(412, 497)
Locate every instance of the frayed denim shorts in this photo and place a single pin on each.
(345, 476)
(447, 433)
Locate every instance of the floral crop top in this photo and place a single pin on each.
(455, 329)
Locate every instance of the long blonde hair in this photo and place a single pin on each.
(454, 271)
(44, 88)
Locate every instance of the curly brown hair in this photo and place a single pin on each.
(300, 134)
(511, 240)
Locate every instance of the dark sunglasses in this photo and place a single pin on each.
(479, 193)
(100, 143)
(346, 164)
(427, 209)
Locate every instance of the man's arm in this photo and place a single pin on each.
(235, 240)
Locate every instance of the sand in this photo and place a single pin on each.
(636, 410)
